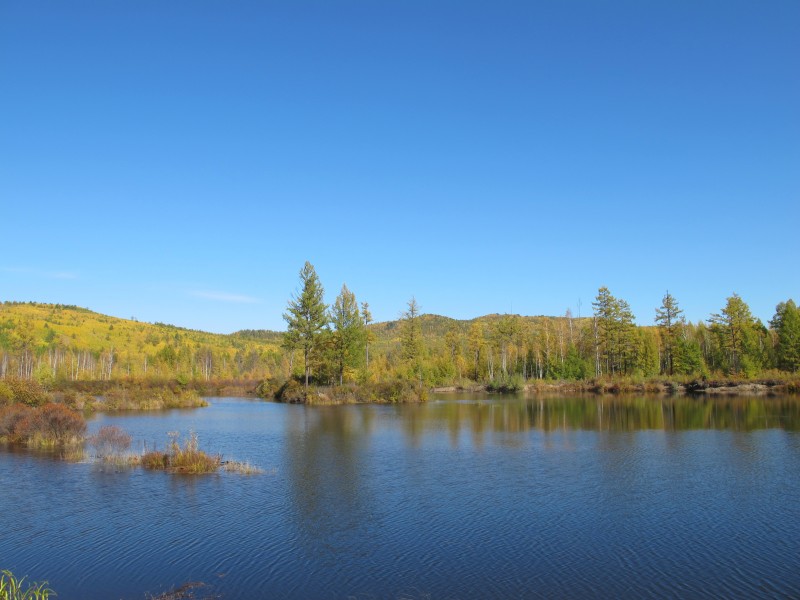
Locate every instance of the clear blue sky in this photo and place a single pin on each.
(179, 161)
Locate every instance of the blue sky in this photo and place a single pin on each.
(179, 161)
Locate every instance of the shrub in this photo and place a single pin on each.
(28, 392)
(50, 425)
(292, 391)
(507, 385)
(6, 393)
(10, 417)
(110, 442)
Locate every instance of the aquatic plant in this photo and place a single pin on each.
(111, 444)
(182, 459)
(243, 468)
(12, 588)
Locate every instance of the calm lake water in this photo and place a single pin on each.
(464, 497)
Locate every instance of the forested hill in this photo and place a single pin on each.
(69, 342)
(52, 342)
(77, 343)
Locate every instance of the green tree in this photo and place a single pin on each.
(411, 338)
(687, 356)
(505, 330)
(367, 316)
(348, 331)
(615, 334)
(669, 318)
(786, 324)
(736, 329)
(306, 317)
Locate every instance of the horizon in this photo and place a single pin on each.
(180, 162)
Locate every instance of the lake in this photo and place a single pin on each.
(467, 496)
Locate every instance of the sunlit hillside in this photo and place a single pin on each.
(72, 343)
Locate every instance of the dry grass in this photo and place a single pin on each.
(243, 468)
(186, 458)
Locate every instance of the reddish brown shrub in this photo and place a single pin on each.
(50, 425)
(10, 417)
(110, 441)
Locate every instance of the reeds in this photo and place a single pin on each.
(187, 459)
(12, 588)
(242, 468)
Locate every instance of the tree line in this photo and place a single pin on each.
(340, 344)
(334, 341)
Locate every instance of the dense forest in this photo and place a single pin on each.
(339, 344)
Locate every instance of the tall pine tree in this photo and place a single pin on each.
(669, 318)
(306, 317)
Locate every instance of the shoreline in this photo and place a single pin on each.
(764, 387)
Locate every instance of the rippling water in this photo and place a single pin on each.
(465, 497)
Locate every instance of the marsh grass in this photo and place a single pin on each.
(243, 468)
(12, 588)
(123, 398)
(186, 458)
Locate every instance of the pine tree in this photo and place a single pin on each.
(306, 317)
(669, 319)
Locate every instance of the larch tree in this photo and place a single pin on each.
(348, 331)
(669, 318)
(411, 337)
(736, 327)
(306, 317)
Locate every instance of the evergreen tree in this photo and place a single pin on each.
(348, 331)
(786, 324)
(306, 317)
(615, 334)
(669, 319)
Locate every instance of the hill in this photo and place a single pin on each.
(76, 343)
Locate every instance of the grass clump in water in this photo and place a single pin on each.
(243, 468)
(12, 588)
(187, 458)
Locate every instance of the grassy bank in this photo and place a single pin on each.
(392, 391)
(102, 395)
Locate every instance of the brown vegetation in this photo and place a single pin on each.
(52, 425)
(390, 391)
(182, 459)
